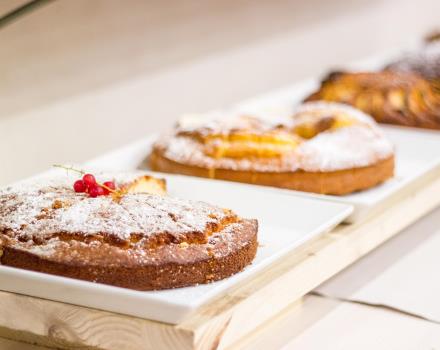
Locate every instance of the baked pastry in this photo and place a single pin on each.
(401, 98)
(424, 61)
(143, 184)
(321, 147)
(133, 239)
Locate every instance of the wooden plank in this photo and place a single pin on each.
(225, 321)
(64, 326)
(273, 334)
(7, 344)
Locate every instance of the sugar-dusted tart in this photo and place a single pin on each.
(129, 238)
(320, 147)
(393, 97)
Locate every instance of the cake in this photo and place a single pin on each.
(392, 97)
(321, 147)
(129, 238)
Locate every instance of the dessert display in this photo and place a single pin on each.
(124, 232)
(393, 97)
(320, 147)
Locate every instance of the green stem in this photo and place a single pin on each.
(68, 168)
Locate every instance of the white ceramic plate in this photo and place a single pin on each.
(417, 160)
(285, 222)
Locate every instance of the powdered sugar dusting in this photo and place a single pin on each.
(334, 107)
(361, 144)
(33, 216)
(353, 147)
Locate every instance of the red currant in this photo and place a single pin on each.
(110, 185)
(89, 180)
(96, 191)
(101, 191)
(79, 186)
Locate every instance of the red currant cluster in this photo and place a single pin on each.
(94, 189)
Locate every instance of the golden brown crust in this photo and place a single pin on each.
(392, 97)
(151, 276)
(145, 184)
(334, 182)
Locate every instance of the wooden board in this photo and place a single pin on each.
(227, 322)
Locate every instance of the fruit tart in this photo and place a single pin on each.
(326, 148)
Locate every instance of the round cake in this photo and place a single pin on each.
(135, 240)
(392, 97)
(320, 147)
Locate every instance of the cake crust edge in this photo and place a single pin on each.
(147, 276)
(338, 182)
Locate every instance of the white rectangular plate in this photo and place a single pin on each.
(417, 161)
(285, 223)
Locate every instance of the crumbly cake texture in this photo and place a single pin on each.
(356, 146)
(140, 241)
